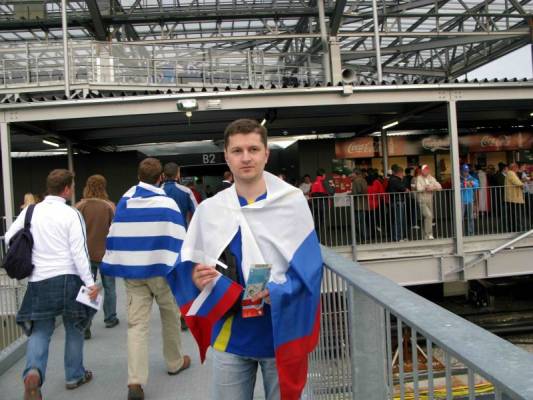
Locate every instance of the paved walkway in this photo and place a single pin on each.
(106, 356)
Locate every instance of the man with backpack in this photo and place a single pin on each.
(61, 267)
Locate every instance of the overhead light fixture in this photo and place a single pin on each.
(391, 125)
(187, 105)
(50, 142)
(188, 114)
(531, 114)
(263, 122)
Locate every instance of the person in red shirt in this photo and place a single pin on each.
(375, 196)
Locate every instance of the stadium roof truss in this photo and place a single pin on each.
(227, 41)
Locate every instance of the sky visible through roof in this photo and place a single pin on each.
(517, 64)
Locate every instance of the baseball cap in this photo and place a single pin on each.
(465, 168)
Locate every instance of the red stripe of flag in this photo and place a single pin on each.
(291, 362)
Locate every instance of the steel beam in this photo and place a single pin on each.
(377, 41)
(66, 71)
(185, 15)
(100, 29)
(326, 64)
(7, 176)
(431, 44)
(337, 16)
(453, 132)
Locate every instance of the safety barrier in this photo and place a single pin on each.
(376, 218)
(11, 294)
(153, 65)
(381, 341)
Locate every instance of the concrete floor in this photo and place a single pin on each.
(106, 355)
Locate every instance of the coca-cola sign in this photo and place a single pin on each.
(435, 143)
(361, 147)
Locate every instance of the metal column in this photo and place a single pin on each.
(65, 47)
(70, 157)
(456, 176)
(7, 177)
(385, 151)
(368, 356)
(336, 62)
(324, 40)
(377, 44)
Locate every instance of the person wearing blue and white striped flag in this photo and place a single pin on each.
(143, 245)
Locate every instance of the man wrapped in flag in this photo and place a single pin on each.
(143, 246)
(260, 223)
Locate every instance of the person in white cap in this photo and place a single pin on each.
(425, 186)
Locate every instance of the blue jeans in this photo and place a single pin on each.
(234, 376)
(468, 213)
(39, 341)
(110, 293)
(399, 221)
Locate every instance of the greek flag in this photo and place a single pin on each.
(146, 235)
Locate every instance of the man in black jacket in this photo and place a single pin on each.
(397, 186)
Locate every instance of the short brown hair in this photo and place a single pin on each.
(95, 187)
(170, 170)
(57, 180)
(245, 126)
(150, 170)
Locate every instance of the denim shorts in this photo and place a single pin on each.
(53, 297)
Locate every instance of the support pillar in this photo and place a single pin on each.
(369, 355)
(385, 151)
(336, 63)
(7, 176)
(456, 176)
(324, 40)
(70, 156)
(65, 47)
(377, 42)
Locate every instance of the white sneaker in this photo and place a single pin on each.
(430, 237)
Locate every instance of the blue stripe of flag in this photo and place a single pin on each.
(217, 293)
(144, 243)
(300, 292)
(149, 215)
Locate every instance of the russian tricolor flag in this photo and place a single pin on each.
(202, 309)
(296, 316)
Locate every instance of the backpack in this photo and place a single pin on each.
(17, 261)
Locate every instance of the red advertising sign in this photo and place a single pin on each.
(359, 147)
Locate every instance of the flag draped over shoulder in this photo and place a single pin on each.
(146, 235)
(278, 230)
(202, 310)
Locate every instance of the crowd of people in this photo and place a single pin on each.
(404, 204)
(166, 246)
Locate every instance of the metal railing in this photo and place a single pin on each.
(392, 217)
(153, 65)
(381, 341)
(11, 295)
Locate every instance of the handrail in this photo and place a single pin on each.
(495, 251)
(505, 365)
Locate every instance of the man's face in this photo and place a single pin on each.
(464, 173)
(307, 179)
(425, 171)
(246, 156)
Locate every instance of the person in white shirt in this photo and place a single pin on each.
(425, 186)
(61, 267)
(305, 186)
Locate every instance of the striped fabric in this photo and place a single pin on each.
(145, 238)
